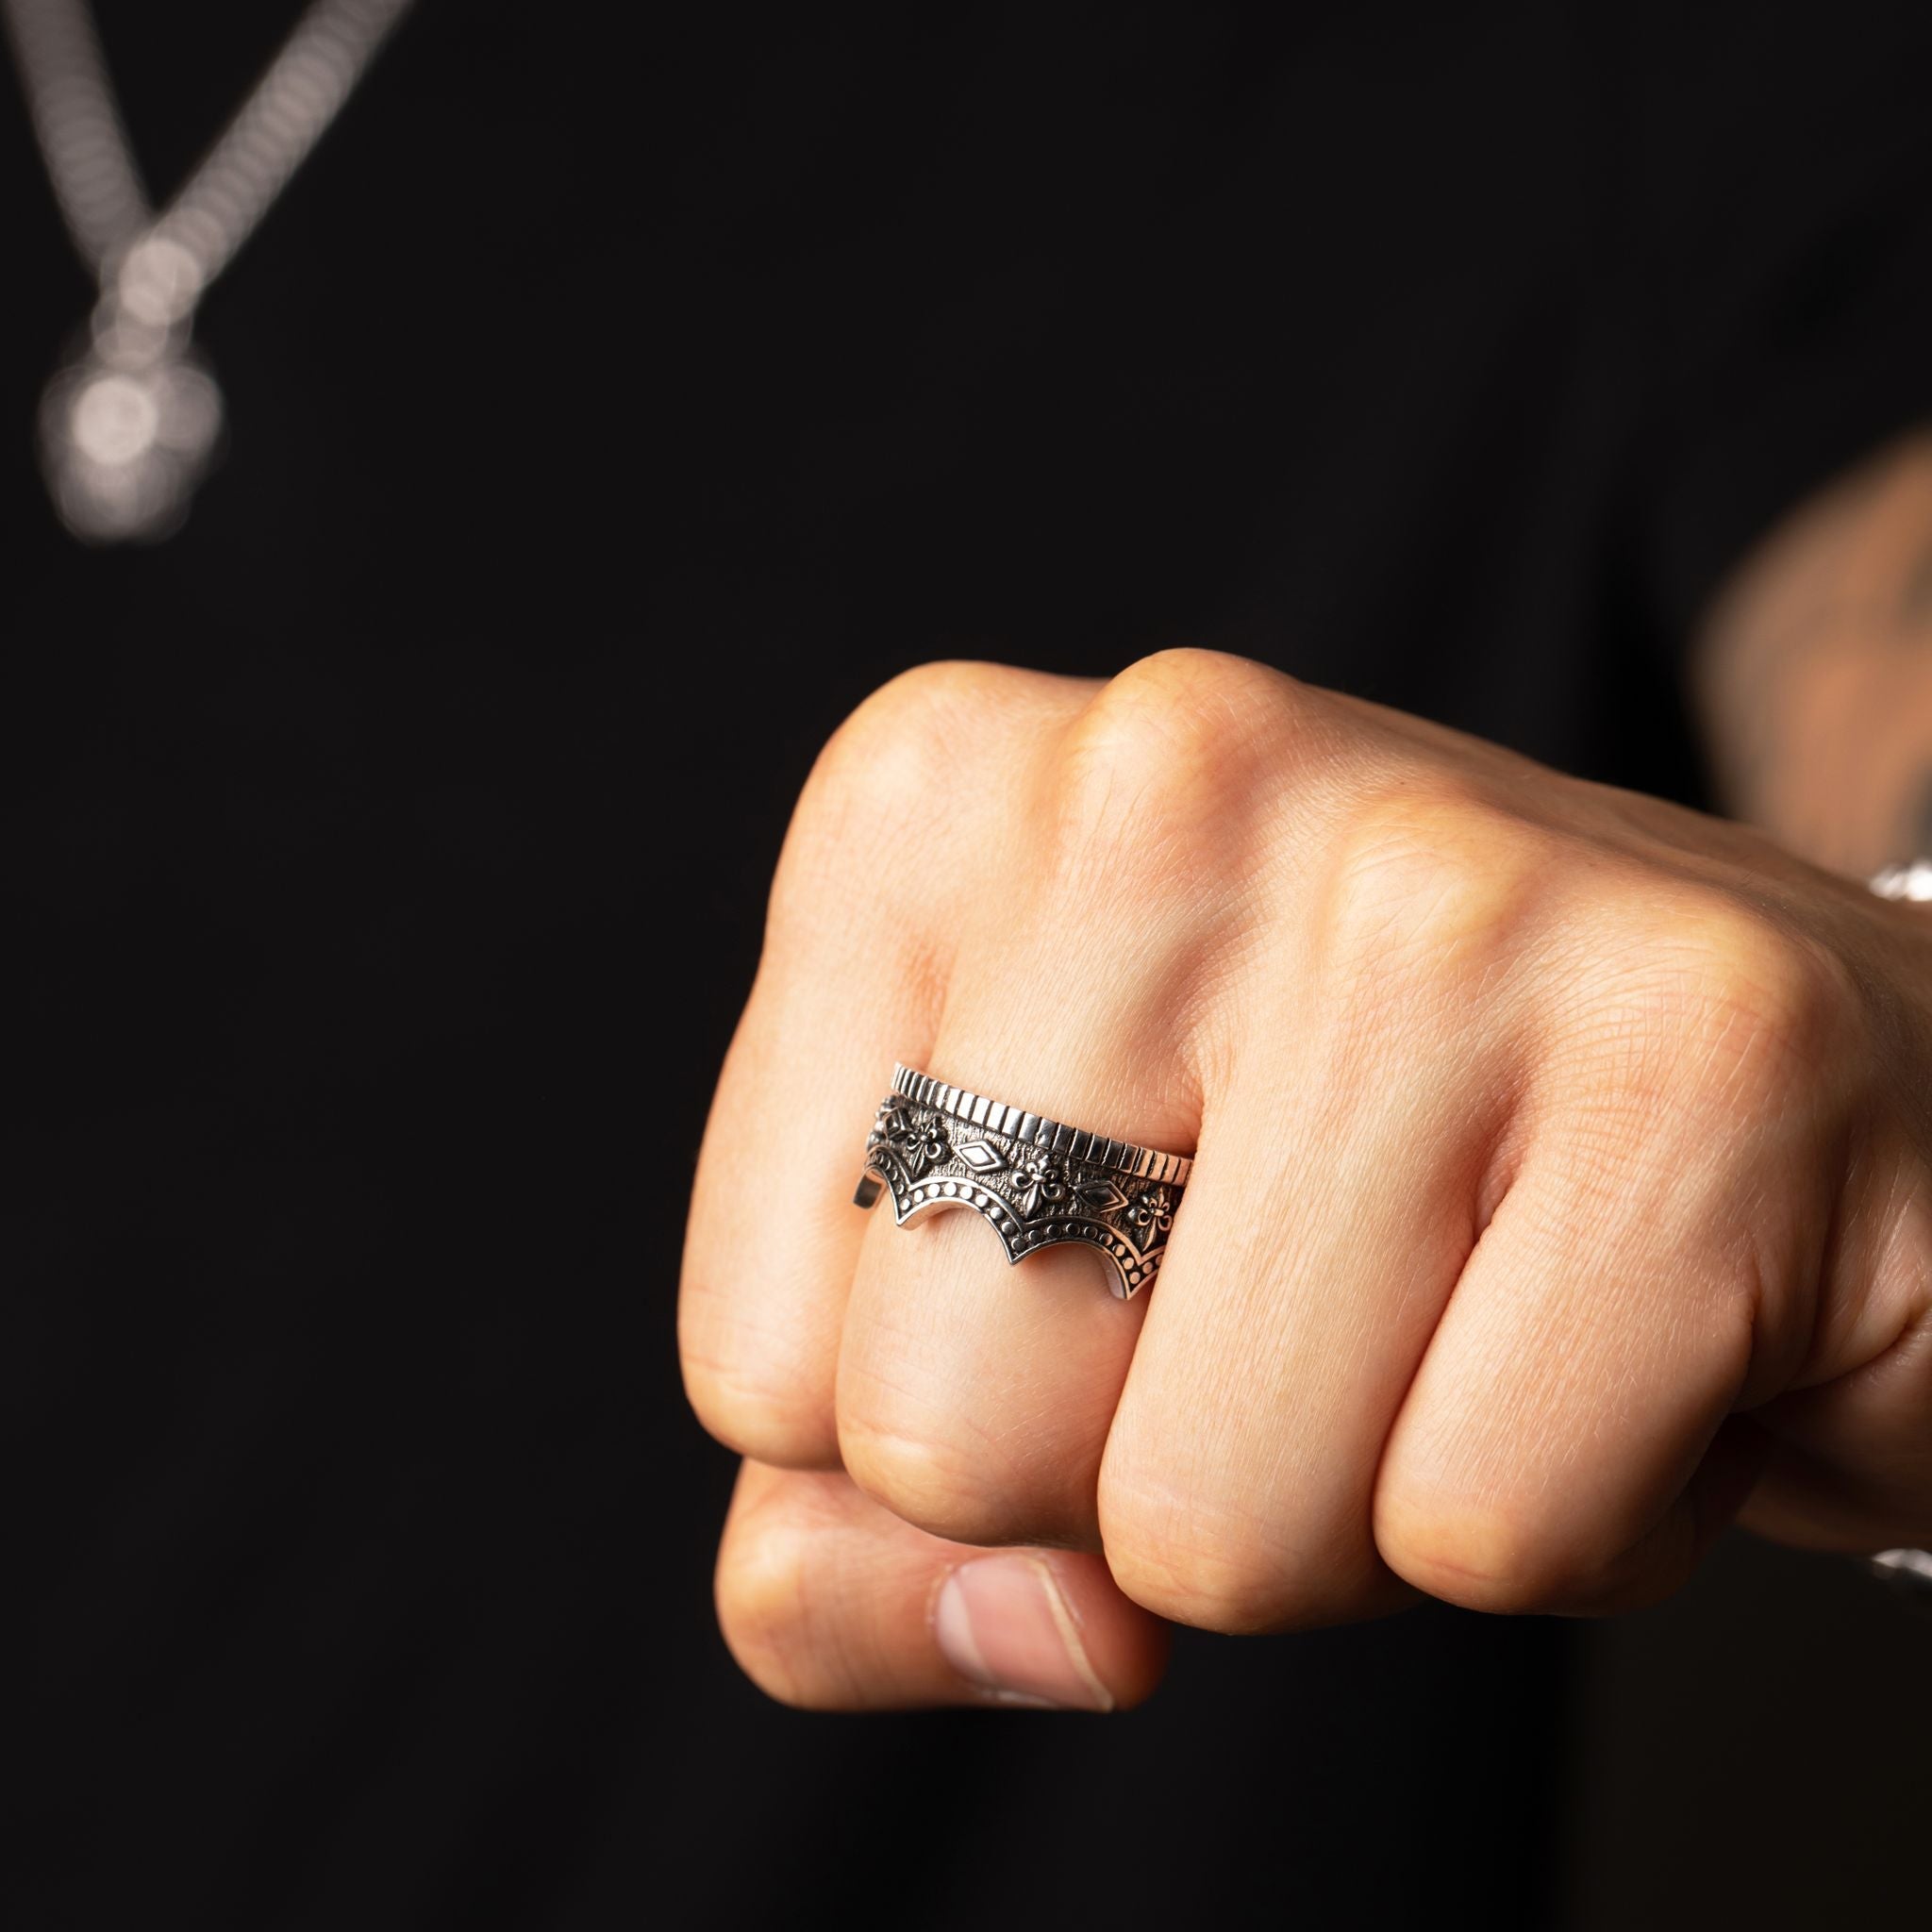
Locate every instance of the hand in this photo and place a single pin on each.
(1562, 1186)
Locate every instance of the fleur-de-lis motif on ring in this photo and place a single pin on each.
(1150, 1212)
(921, 1143)
(1037, 1180)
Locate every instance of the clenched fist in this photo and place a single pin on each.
(1561, 1189)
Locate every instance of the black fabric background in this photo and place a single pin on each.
(613, 404)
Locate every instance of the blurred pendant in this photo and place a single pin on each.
(126, 437)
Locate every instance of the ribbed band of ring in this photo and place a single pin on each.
(1036, 1182)
(1073, 1143)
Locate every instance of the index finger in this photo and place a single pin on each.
(913, 799)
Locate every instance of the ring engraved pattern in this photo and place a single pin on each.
(1036, 1181)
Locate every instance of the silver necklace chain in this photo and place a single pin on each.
(128, 429)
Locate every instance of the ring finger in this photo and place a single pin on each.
(974, 1397)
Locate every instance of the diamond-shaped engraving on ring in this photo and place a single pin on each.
(1036, 1183)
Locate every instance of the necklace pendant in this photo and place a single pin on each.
(127, 432)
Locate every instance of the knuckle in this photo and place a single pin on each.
(931, 1484)
(1492, 1556)
(901, 737)
(760, 1412)
(900, 749)
(1165, 751)
(1221, 1571)
(946, 691)
(1431, 882)
(1207, 1589)
(1775, 990)
(1722, 998)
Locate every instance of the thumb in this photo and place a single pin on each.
(831, 1603)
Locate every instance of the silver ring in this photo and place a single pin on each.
(1036, 1181)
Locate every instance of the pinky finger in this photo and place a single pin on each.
(829, 1602)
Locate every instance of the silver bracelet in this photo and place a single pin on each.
(1910, 881)
(1908, 1571)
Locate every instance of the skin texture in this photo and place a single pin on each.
(1563, 1190)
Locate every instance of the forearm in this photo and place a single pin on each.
(1813, 675)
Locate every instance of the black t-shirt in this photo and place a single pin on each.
(386, 856)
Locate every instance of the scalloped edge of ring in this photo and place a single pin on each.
(1036, 1183)
(1132, 1270)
